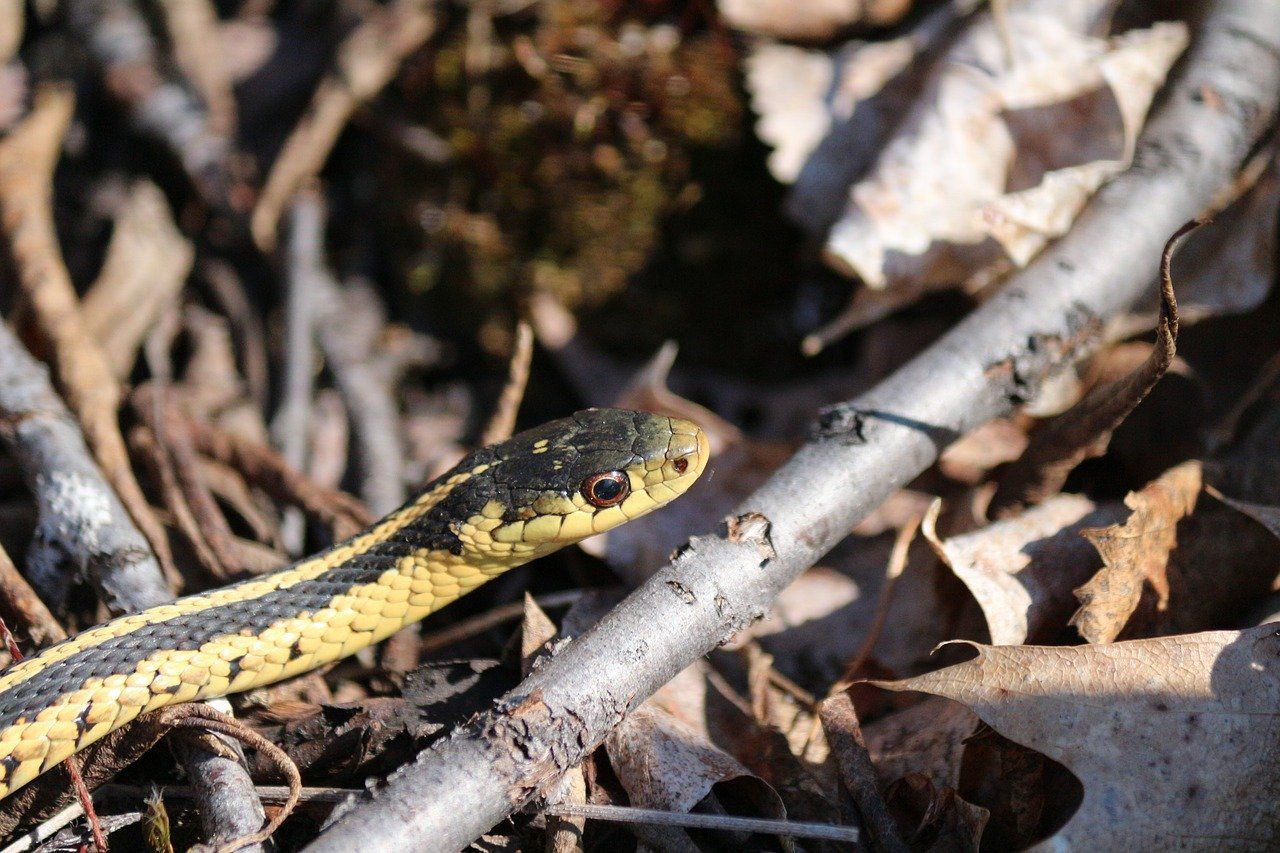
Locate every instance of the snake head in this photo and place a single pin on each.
(571, 478)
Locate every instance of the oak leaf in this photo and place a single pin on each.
(1173, 738)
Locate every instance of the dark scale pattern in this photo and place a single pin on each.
(186, 632)
(587, 443)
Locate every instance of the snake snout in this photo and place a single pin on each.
(687, 454)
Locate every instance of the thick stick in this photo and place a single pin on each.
(1222, 101)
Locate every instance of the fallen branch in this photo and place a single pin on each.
(1220, 104)
(118, 37)
(27, 160)
(82, 529)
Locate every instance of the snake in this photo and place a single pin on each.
(500, 507)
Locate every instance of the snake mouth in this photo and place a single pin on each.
(688, 452)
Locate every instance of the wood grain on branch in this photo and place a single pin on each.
(1221, 101)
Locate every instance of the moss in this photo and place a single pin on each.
(571, 148)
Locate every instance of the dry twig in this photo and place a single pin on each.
(27, 160)
(503, 421)
(366, 62)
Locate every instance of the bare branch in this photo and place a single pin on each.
(83, 528)
(27, 159)
(117, 35)
(366, 62)
(1221, 102)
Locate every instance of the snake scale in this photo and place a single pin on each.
(499, 508)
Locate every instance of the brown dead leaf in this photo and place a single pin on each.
(942, 821)
(666, 764)
(917, 754)
(926, 738)
(1084, 430)
(999, 156)
(1136, 554)
(1023, 571)
(1249, 483)
(536, 632)
(1027, 794)
(1173, 738)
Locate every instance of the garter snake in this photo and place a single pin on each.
(499, 508)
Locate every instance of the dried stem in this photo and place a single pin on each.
(27, 160)
(726, 823)
(857, 774)
(366, 62)
(503, 422)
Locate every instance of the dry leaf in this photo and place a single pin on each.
(1003, 151)
(664, 764)
(926, 738)
(817, 19)
(1173, 738)
(1084, 431)
(1022, 571)
(1136, 553)
(917, 754)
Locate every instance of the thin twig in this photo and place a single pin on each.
(197, 48)
(23, 607)
(726, 823)
(857, 773)
(860, 453)
(266, 793)
(229, 294)
(482, 622)
(289, 426)
(205, 718)
(366, 62)
(27, 159)
(503, 421)
(893, 571)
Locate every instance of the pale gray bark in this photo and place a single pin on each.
(84, 531)
(1221, 101)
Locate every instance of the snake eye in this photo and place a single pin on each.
(608, 489)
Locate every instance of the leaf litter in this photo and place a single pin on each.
(567, 161)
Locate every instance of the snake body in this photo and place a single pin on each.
(499, 508)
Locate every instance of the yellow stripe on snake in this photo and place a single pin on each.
(499, 508)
